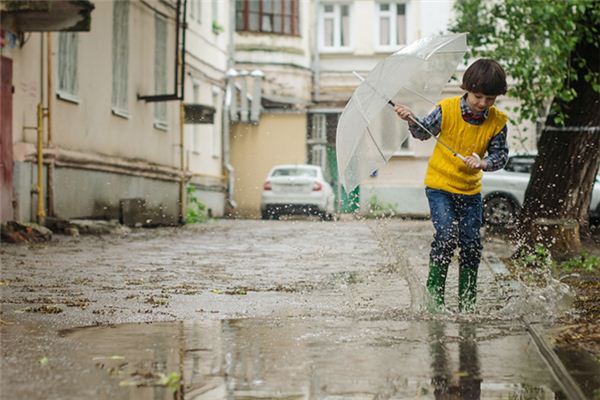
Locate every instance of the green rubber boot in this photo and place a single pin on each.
(436, 284)
(467, 289)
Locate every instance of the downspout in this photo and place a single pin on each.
(51, 164)
(41, 213)
(40, 210)
(229, 170)
(316, 55)
(229, 92)
(182, 189)
(181, 60)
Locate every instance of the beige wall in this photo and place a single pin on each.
(126, 156)
(255, 149)
(88, 125)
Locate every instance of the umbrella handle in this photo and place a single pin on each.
(478, 159)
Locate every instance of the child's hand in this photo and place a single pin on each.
(403, 112)
(475, 162)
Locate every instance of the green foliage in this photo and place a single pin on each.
(539, 257)
(196, 210)
(377, 208)
(533, 266)
(584, 262)
(217, 28)
(535, 41)
(171, 381)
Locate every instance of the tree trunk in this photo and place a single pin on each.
(557, 200)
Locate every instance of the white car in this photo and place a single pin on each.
(297, 189)
(503, 191)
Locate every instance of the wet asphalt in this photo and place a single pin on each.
(242, 309)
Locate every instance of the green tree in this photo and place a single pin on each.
(551, 51)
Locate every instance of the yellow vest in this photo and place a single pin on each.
(447, 172)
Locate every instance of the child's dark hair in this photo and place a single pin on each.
(484, 76)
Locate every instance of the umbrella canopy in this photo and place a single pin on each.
(369, 132)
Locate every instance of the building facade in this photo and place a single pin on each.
(355, 36)
(116, 143)
(132, 124)
(271, 49)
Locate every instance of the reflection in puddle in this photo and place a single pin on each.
(315, 359)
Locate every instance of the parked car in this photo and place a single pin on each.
(503, 191)
(297, 189)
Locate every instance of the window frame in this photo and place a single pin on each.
(393, 33)
(216, 132)
(337, 26)
(69, 92)
(160, 77)
(120, 60)
(196, 134)
(294, 17)
(196, 11)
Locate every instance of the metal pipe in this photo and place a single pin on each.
(49, 133)
(229, 170)
(227, 102)
(41, 213)
(182, 191)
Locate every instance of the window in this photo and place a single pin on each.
(216, 133)
(308, 172)
(215, 10)
(120, 57)
(391, 24)
(335, 26)
(68, 81)
(196, 127)
(318, 141)
(271, 16)
(196, 10)
(160, 70)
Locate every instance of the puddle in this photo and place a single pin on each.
(313, 359)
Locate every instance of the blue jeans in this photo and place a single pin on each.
(457, 219)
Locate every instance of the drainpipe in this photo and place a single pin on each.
(39, 187)
(244, 96)
(229, 171)
(41, 213)
(50, 82)
(227, 101)
(255, 108)
(316, 56)
(182, 191)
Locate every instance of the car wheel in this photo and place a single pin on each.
(499, 210)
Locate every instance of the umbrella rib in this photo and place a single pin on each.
(420, 95)
(360, 112)
(375, 143)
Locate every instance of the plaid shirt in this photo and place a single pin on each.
(497, 148)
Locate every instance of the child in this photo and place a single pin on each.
(468, 124)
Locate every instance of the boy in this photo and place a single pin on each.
(468, 124)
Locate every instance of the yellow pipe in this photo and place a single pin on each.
(41, 213)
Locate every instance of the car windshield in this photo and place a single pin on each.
(309, 172)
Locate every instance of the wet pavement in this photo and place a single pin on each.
(261, 309)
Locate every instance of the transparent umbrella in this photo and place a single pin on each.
(369, 132)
